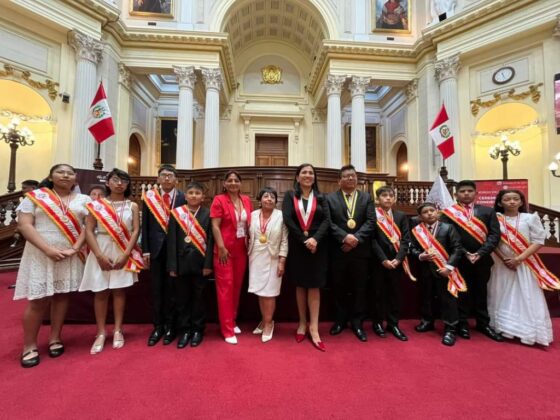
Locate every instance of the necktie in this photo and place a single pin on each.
(167, 200)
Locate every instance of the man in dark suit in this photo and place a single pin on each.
(437, 246)
(480, 233)
(157, 204)
(390, 249)
(352, 224)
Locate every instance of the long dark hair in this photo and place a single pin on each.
(297, 187)
(119, 173)
(48, 182)
(226, 176)
(498, 202)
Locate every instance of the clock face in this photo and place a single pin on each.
(503, 75)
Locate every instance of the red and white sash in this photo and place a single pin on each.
(468, 222)
(157, 207)
(68, 223)
(106, 216)
(518, 244)
(191, 227)
(387, 225)
(305, 218)
(456, 283)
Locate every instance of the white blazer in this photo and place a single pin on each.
(276, 232)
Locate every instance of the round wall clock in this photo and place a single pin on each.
(503, 75)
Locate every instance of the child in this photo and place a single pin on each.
(115, 259)
(516, 302)
(438, 247)
(189, 260)
(390, 247)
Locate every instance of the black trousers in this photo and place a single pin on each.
(434, 285)
(190, 300)
(386, 294)
(349, 281)
(163, 292)
(474, 301)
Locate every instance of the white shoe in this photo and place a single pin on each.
(231, 340)
(268, 337)
(118, 340)
(98, 344)
(237, 330)
(258, 330)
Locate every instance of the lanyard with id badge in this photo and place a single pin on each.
(240, 225)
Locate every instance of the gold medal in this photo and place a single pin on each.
(351, 223)
(118, 230)
(188, 239)
(65, 219)
(263, 239)
(431, 251)
(305, 233)
(394, 240)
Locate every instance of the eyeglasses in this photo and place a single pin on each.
(349, 176)
(166, 176)
(117, 180)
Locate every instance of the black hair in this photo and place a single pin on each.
(425, 204)
(384, 189)
(97, 187)
(119, 173)
(498, 202)
(31, 183)
(48, 182)
(195, 185)
(465, 183)
(346, 168)
(268, 190)
(167, 167)
(314, 187)
(227, 175)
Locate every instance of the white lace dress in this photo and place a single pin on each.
(38, 275)
(516, 303)
(96, 279)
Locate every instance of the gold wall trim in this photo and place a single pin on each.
(49, 85)
(532, 92)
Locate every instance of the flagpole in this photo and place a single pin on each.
(443, 171)
(98, 164)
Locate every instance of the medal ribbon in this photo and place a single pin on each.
(157, 207)
(106, 216)
(455, 283)
(472, 225)
(191, 227)
(262, 225)
(518, 243)
(350, 207)
(305, 218)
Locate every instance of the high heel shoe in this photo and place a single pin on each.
(259, 329)
(98, 344)
(319, 345)
(118, 339)
(231, 340)
(300, 337)
(267, 337)
(236, 330)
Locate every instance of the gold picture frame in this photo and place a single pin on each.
(396, 18)
(152, 8)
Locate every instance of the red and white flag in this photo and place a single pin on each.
(441, 134)
(100, 122)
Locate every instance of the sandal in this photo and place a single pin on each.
(118, 339)
(31, 362)
(56, 351)
(98, 344)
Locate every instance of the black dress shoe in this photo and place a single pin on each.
(196, 338)
(378, 329)
(360, 333)
(448, 338)
(463, 331)
(155, 336)
(490, 333)
(425, 326)
(336, 328)
(168, 337)
(397, 332)
(183, 340)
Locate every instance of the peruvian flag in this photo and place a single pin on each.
(100, 122)
(441, 134)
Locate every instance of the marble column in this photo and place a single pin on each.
(124, 112)
(213, 82)
(446, 74)
(184, 153)
(357, 88)
(333, 151)
(88, 55)
(412, 130)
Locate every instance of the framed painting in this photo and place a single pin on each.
(151, 8)
(391, 16)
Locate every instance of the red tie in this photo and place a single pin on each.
(167, 200)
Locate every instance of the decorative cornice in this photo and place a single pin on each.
(49, 85)
(186, 76)
(358, 85)
(212, 78)
(86, 47)
(334, 84)
(448, 68)
(124, 76)
(411, 90)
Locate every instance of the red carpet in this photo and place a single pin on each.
(280, 379)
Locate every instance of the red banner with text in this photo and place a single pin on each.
(488, 189)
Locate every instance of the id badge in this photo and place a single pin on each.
(240, 232)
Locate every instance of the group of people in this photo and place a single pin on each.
(470, 258)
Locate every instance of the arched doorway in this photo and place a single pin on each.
(402, 163)
(134, 156)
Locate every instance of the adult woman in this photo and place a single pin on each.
(306, 214)
(51, 220)
(268, 248)
(231, 215)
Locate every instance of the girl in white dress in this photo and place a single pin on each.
(268, 248)
(516, 303)
(50, 266)
(108, 268)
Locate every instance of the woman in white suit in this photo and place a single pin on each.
(268, 249)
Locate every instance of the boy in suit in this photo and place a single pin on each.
(437, 246)
(390, 249)
(189, 260)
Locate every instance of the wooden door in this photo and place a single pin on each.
(134, 156)
(402, 163)
(271, 150)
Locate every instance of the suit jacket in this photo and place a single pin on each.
(364, 215)
(319, 228)
(277, 234)
(382, 247)
(154, 238)
(488, 216)
(183, 257)
(222, 208)
(449, 238)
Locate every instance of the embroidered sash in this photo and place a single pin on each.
(456, 283)
(157, 207)
(106, 217)
(68, 223)
(472, 225)
(518, 244)
(393, 233)
(191, 227)
(305, 218)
